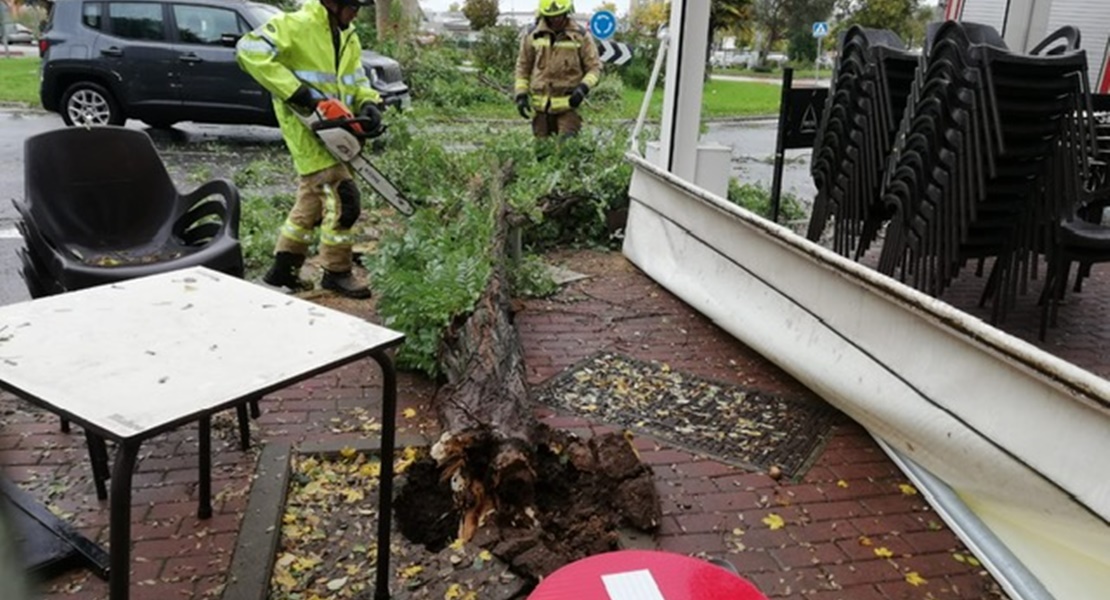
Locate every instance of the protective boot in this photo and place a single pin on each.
(344, 284)
(285, 272)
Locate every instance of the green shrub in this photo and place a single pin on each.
(756, 198)
(636, 73)
(496, 51)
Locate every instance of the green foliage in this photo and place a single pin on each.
(259, 172)
(430, 271)
(896, 15)
(636, 73)
(262, 216)
(431, 268)
(435, 81)
(532, 279)
(496, 51)
(480, 13)
(756, 198)
(587, 175)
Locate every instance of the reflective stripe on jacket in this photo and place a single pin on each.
(551, 64)
(296, 48)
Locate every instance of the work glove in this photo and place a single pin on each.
(304, 100)
(578, 95)
(524, 105)
(372, 112)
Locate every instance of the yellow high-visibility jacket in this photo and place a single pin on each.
(551, 64)
(296, 48)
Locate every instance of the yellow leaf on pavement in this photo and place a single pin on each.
(485, 555)
(410, 572)
(774, 521)
(908, 489)
(348, 452)
(453, 592)
(883, 552)
(914, 579)
(841, 483)
(409, 413)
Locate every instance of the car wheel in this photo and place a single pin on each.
(86, 103)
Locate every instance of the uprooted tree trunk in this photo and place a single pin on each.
(536, 497)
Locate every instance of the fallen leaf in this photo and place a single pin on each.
(348, 452)
(914, 579)
(337, 584)
(410, 572)
(453, 592)
(774, 521)
(409, 413)
(841, 483)
(908, 489)
(883, 552)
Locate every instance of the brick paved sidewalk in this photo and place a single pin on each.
(850, 529)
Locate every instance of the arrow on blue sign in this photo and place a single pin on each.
(603, 24)
(820, 29)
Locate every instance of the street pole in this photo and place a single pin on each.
(817, 66)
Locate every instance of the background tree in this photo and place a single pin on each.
(648, 18)
(481, 13)
(802, 14)
(729, 15)
(773, 17)
(896, 15)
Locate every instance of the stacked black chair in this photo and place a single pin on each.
(99, 207)
(870, 86)
(985, 161)
(1081, 237)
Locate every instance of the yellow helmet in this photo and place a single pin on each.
(554, 8)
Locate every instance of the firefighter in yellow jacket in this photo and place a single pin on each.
(310, 61)
(557, 66)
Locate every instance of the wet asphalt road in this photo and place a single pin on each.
(752, 144)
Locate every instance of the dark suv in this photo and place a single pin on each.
(164, 61)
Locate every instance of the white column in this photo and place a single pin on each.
(682, 93)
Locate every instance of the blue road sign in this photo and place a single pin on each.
(603, 24)
(820, 29)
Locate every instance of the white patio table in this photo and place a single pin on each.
(131, 360)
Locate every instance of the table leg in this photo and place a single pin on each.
(385, 489)
(119, 522)
(98, 456)
(204, 510)
(244, 427)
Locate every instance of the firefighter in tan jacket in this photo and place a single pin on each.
(555, 69)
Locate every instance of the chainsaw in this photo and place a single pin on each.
(344, 137)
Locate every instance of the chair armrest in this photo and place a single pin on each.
(230, 194)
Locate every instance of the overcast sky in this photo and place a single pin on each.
(521, 5)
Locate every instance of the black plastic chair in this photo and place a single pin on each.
(100, 207)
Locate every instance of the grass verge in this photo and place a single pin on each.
(19, 80)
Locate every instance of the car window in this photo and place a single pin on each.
(136, 20)
(205, 24)
(92, 15)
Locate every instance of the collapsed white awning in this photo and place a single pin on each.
(1019, 436)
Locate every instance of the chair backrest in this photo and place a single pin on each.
(98, 186)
